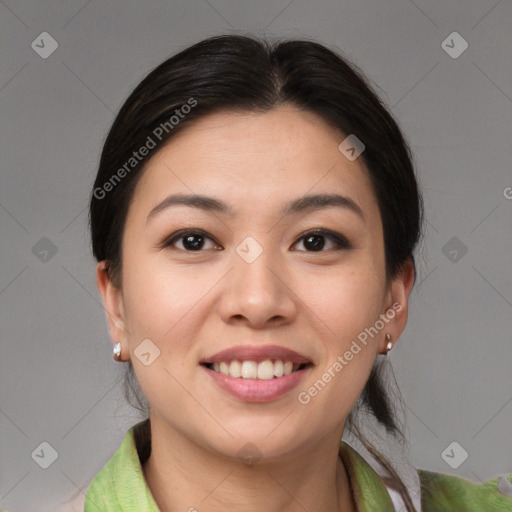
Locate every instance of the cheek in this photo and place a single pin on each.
(162, 304)
(345, 301)
(162, 298)
(344, 311)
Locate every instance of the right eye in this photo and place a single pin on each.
(191, 240)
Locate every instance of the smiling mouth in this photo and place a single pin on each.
(265, 370)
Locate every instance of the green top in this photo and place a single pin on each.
(120, 486)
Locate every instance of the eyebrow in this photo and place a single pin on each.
(300, 205)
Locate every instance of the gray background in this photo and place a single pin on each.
(58, 380)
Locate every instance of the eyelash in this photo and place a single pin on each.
(340, 242)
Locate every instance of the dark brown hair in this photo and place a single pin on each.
(234, 72)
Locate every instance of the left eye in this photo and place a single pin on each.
(315, 240)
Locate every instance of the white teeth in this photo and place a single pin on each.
(235, 369)
(266, 370)
(249, 370)
(279, 368)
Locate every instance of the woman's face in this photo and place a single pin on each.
(239, 276)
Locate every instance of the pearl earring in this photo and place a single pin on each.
(117, 351)
(389, 346)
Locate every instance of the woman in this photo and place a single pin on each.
(254, 219)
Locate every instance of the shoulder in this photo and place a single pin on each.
(441, 492)
(120, 484)
(101, 493)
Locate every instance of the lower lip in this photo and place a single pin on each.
(254, 390)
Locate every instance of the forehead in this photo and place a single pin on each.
(255, 160)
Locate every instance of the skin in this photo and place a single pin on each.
(192, 304)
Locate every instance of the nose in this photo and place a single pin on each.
(257, 294)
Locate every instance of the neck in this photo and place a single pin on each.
(184, 476)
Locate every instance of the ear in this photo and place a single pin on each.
(397, 301)
(113, 303)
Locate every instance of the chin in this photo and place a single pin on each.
(264, 438)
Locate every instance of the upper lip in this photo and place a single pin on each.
(257, 354)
